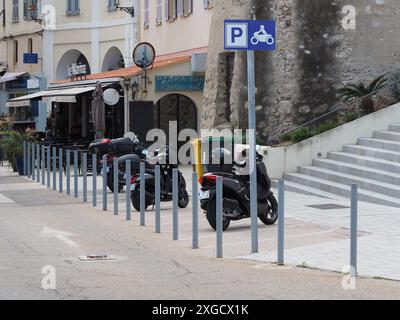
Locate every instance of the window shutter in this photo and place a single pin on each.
(205, 4)
(26, 9)
(77, 8)
(180, 8)
(146, 13)
(159, 10)
(190, 6)
(167, 10)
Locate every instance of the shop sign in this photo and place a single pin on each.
(77, 69)
(179, 83)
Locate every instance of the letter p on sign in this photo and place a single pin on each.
(236, 35)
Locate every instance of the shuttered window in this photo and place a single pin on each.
(146, 13)
(159, 12)
(73, 7)
(15, 12)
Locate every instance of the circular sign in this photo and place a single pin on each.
(111, 97)
(144, 55)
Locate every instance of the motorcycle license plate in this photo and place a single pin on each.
(107, 170)
(204, 195)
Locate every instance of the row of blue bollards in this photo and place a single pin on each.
(36, 163)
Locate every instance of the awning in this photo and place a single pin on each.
(11, 76)
(61, 95)
(26, 100)
(66, 95)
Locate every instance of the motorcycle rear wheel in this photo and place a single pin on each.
(211, 214)
(271, 216)
(183, 199)
(135, 197)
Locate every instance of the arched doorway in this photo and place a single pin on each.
(113, 60)
(68, 58)
(175, 107)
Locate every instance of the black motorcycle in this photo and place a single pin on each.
(236, 196)
(122, 149)
(166, 172)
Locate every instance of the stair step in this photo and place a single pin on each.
(387, 135)
(340, 189)
(358, 170)
(302, 189)
(347, 179)
(395, 127)
(373, 152)
(366, 161)
(379, 144)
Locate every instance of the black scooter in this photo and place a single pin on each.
(236, 196)
(122, 149)
(166, 172)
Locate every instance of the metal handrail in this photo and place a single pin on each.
(340, 108)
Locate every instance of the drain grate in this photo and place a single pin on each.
(97, 257)
(329, 206)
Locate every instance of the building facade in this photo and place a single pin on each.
(92, 32)
(179, 31)
(20, 58)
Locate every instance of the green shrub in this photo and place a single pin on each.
(327, 126)
(300, 135)
(350, 116)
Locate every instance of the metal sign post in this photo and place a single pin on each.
(251, 35)
(253, 151)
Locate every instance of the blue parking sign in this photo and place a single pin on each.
(250, 35)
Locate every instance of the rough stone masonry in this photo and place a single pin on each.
(315, 56)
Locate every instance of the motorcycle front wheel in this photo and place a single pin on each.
(271, 215)
(211, 214)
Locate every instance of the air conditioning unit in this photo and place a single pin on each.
(199, 62)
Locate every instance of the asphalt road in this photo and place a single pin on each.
(40, 228)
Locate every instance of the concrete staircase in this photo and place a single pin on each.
(373, 163)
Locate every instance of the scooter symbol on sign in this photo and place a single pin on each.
(262, 36)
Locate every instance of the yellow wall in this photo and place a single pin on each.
(184, 33)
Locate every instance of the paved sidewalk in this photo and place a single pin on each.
(378, 244)
(41, 227)
(314, 237)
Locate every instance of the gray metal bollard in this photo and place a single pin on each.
(84, 174)
(94, 181)
(175, 196)
(25, 157)
(48, 155)
(76, 174)
(43, 165)
(33, 162)
(68, 171)
(60, 170)
(281, 223)
(158, 199)
(128, 190)
(105, 183)
(195, 211)
(38, 162)
(354, 230)
(54, 168)
(219, 218)
(116, 186)
(28, 159)
(142, 195)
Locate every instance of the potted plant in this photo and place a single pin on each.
(12, 143)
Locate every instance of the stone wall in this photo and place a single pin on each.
(315, 56)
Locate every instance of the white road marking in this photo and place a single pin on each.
(60, 235)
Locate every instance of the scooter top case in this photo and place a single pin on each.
(122, 146)
(100, 147)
